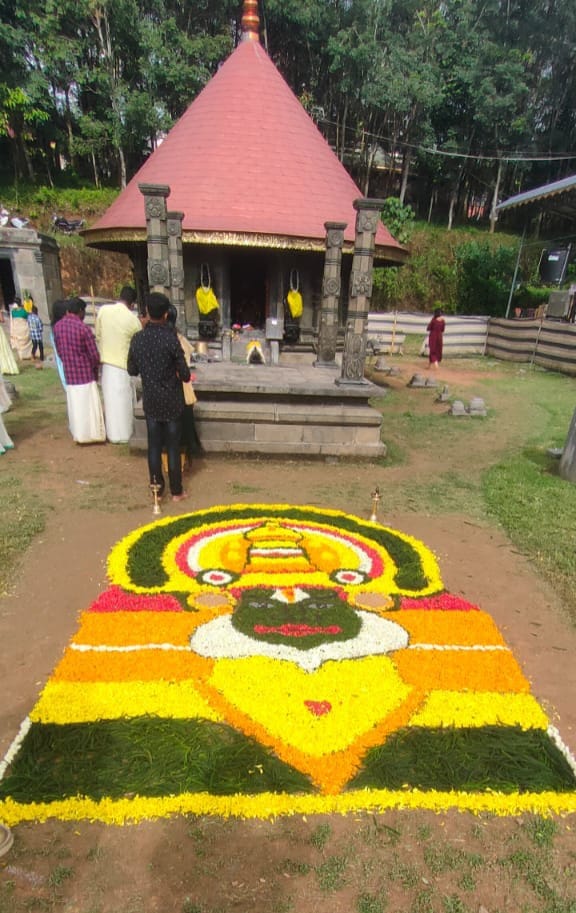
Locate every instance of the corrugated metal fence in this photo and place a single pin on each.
(548, 343)
(463, 335)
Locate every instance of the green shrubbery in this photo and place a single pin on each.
(484, 276)
(463, 271)
(531, 296)
(39, 202)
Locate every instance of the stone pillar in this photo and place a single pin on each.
(360, 293)
(174, 229)
(331, 284)
(155, 196)
(568, 460)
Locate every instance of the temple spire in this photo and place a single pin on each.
(250, 21)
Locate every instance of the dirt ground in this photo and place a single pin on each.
(396, 861)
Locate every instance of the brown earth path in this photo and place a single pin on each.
(99, 494)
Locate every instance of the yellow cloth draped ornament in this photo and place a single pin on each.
(294, 299)
(205, 297)
(206, 300)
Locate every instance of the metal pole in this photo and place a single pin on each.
(513, 286)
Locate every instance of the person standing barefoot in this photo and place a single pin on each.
(436, 329)
(157, 356)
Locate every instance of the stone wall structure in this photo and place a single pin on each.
(155, 196)
(30, 263)
(176, 262)
(331, 286)
(360, 294)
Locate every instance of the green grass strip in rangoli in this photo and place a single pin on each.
(499, 758)
(145, 756)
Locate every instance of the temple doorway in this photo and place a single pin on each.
(7, 287)
(248, 290)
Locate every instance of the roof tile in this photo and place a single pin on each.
(246, 157)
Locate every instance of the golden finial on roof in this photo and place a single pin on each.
(250, 21)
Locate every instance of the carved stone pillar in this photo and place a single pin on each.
(155, 196)
(360, 292)
(174, 229)
(331, 283)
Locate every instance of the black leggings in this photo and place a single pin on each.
(38, 344)
(165, 435)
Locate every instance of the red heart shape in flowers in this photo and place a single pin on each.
(318, 708)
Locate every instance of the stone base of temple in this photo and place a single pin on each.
(283, 411)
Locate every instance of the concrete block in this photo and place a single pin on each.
(229, 411)
(458, 408)
(315, 434)
(477, 406)
(367, 436)
(290, 434)
(226, 431)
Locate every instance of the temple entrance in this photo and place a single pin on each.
(248, 290)
(7, 287)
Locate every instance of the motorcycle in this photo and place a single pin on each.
(67, 226)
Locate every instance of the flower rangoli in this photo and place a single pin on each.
(256, 660)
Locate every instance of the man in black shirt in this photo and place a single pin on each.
(156, 355)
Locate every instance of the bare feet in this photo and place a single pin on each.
(180, 497)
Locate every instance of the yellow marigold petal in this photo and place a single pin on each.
(460, 670)
(457, 708)
(270, 805)
(434, 627)
(357, 695)
(124, 628)
(66, 702)
(137, 665)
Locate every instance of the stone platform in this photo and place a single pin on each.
(286, 410)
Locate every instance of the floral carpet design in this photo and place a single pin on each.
(257, 660)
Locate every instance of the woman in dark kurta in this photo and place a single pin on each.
(436, 330)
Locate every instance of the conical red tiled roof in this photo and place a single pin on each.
(245, 158)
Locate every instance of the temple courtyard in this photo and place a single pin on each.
(371, 859)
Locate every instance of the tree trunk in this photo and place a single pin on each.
(122, 160)
(453, 198)
(70, 133)
(493, 213)
(405, 173)
(95, 170)
(25, 157)
(431, 206)
(343, 132)
(369, 165)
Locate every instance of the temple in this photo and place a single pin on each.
(247, 183)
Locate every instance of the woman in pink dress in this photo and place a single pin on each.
(436, 330)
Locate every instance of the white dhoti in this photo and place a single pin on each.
(8, 364)
(5, 439)
(5, 403)
(119, 400)
(85, 414)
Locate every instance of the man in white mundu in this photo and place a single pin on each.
(77, 349)
(116, 324)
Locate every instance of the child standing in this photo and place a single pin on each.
(36, 333)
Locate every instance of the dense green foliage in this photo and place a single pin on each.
(441, 104)
(463, 271)
(483, 278)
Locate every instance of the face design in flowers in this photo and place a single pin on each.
(299, 617)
